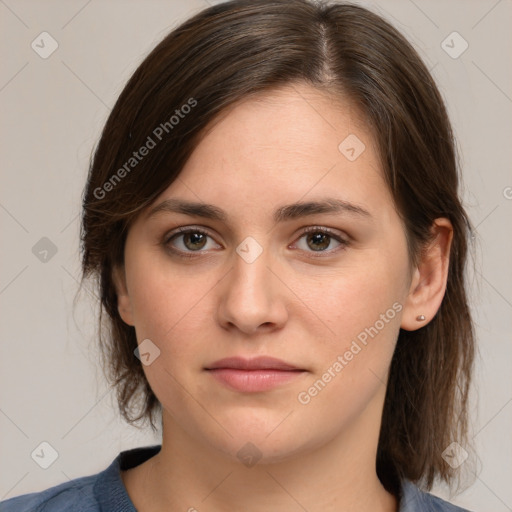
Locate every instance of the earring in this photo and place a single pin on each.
(420, 318)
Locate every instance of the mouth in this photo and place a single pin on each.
(257, 363)
(253, 375)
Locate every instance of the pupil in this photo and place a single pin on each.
(196, 238)
(317, 238)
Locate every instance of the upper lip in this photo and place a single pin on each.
(257, 363)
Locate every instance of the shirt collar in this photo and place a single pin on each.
(112, 496)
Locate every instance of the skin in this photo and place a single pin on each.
(292, 302)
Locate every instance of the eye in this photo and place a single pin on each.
(317, 239)
(188, 240)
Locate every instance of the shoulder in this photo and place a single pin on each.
(414, 499)
(94, 493)
(76, 495)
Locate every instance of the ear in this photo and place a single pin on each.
(123, 299)
(428, 283)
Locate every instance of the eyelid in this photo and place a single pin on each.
(187, 229)
(326, 230)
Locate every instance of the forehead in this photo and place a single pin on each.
(281, 146)
(294, 118)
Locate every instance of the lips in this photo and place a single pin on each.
(253, 375)
(257, 363)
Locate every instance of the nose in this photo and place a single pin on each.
(252, 297)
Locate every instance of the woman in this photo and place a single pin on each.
(272, 215)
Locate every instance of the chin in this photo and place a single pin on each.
(252, 444)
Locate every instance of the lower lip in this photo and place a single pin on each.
(252, 381)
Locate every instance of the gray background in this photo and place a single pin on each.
(53, 108)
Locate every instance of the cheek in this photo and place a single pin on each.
(356, 296)
(352, 361)
(168, 310)
(160, 296)
(360, 309)
(171, 308)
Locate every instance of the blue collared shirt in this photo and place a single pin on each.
(105, 492)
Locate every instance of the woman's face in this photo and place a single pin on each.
(321, 288)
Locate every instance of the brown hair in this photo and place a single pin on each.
(239, 48)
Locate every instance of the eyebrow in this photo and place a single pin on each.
(281, 214)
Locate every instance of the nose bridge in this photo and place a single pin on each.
(251, 277)
(250, 297)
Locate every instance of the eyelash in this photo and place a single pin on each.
(311, 229)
